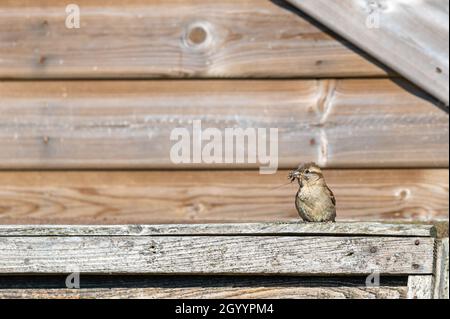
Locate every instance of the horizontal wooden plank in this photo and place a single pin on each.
(292, 228)
(193, 287)
(209, 293)
(412, 37)
(114, 124)
(216, 255)
(149, 197)
(175, 38)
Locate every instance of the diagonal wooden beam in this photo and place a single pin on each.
(411, 37)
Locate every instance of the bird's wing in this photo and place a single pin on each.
(296, 201)
(333, 199)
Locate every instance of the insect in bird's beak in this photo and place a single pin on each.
(294, 175)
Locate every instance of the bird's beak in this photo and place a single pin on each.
(293, 175)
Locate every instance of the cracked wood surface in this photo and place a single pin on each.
(171, 38)
(420, 287)
(411, 37)
(286, 228)
(287, 255)
(114, 124)
(441, 272)
(138, 197)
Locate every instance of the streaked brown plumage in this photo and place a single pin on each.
(315, 202)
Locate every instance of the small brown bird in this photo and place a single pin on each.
(315, 202)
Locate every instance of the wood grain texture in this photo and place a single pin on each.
(411, 37)
(441, 272)
(420, 287)
(279, 228)
(195, 38)
(138, 197)
(115, 124)
(211, 293)
(197, 287)
(216, 255)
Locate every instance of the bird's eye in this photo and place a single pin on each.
(307, 171)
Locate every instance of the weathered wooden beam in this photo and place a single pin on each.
(441, 273)
(128, 125)
(151, 197)
(269, 229)
(420, 287)
(198, 287)
(171, 38)
(411, 37)
(209, 293)
(262, 255)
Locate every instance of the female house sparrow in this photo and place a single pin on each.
(314, 201)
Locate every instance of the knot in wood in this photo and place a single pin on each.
(197, 36)
(42, 59)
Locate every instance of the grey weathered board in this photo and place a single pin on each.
(420, 287)
(412, 37)
(260, 229)
(441, 272)
(256, 250)
(210, 293)
(174, 287)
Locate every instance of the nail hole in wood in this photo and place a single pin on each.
(404, 194)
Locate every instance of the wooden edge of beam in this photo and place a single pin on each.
(420, 287)
(441, 272)
(280, 228)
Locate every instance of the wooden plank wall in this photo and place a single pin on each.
(116, 124)
(86, 115)
(212, 196)
(170, 38)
